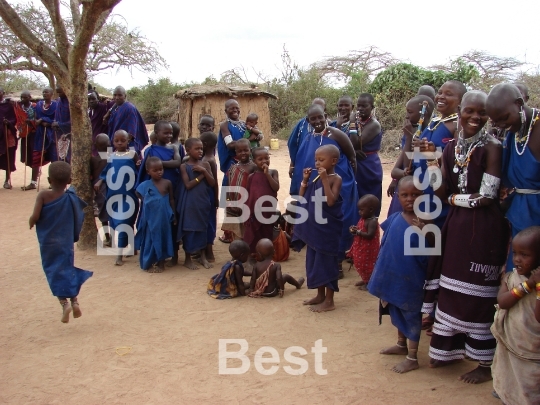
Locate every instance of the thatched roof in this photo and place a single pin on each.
(222, 89)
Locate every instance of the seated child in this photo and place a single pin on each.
(322, 239)
(58, 216)
(154, 233)
(194, 207)
(266, 277)
(365, 247)
(398, 278)
(123, 173)
(281, 240)
(253, 134)
(97, 164)
(229, 282)
(238, 176)
(263, 182)
(516, 365)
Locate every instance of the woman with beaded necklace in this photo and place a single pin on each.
(474, 239)
(521, 156)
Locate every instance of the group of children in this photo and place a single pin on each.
(179, 201)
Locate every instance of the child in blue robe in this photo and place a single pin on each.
(154, 233)
(58, 216)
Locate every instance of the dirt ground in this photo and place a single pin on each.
(153, 338)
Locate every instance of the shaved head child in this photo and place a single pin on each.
(229, 282)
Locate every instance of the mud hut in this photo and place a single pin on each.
(210, 99)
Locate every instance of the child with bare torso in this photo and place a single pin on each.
(267, 280)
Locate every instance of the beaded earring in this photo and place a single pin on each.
(523, 116)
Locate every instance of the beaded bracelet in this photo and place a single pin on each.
(526, 287)
(516, 293)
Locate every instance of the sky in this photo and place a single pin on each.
(205, 38)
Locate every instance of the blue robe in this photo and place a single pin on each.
(154, 234)
(128, 118)
(520, 172)
(63, 117)
(212, 223)
(440, 138)
(164, 154)
(398, 278)
(124, 189)
(194, 210)
(224, 285)
(59, 225)
(395, 205)
(322, 268)
(45, 134)
(349, 194)
(299, 132)
(369, 172)
(226, 155)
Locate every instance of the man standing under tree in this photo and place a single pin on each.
(8, 138)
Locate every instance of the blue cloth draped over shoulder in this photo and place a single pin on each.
(440, 136)
(122, 202)
(58, 228)
(193, 209)
(349, 193)
(398, 277)
(128, 118)
(154, 234)
(395, 206)
(226, 155)
(299, 132)
(224, 285)
(369, 172)
(344, 127)
(45, 133)
(165, 154)
(521, 172)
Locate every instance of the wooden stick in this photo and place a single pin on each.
(8, 171)
(41, 159)
(25, 157)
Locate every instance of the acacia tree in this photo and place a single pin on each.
(113, 45)
(65, 60)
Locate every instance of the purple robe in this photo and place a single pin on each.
(44, 134)
(63, 117)
(127, 117)
(96, 121)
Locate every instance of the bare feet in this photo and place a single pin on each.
(156, 269)
(323, 307)
(405, 366)
(314, 301)
(119, 261)
(478, 376)
(396, 349)
(301, 281)
(76, 309)
(189, 263)
(359, 283)
(66, 310)
(202, 260)
(210, 254)
(173, 262)
(439, 363)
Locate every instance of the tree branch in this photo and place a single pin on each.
(75, 13)
(60, 33)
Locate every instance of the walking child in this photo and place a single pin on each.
(238, 176)
(194, 207)
(154, 233)
(263, 183)
(516, 365)
(253, 134)
(97, 164)
(209, 141)
(266, 277)
(58, 216)
(121, 172)
(321, 236)
(229, 282)
(398, 277)
(365, 247)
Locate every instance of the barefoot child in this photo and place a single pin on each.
(238, 176)
(171, 157)
(194, 207)
(97, 164)
(154, 233)
(266, 277)
(321, 236)
(398, 277)
(229, 282)
(58, 216)
(365, 247)
(253, 134)
(516, 365)
(120, 173)
(263, 183)
(209, 141)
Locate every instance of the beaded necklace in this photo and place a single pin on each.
(522, 141)
(441, 120)
(463, 152)
(45, 108)
(240, 125)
